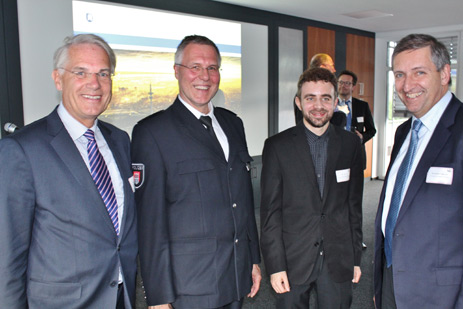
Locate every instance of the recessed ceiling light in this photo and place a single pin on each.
(368, 14)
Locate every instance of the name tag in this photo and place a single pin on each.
(360, 119)
(440, 175)
(343, 175)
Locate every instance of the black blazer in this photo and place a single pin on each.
(362, 121)
(294, 217)
(198, 235)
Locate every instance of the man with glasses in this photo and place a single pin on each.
(67, 210)
(358, 114)
(198, 235)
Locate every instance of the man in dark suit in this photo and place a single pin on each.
(69, 241)
(198, 235)
(311, 207)
(358, 115)
(419, 224)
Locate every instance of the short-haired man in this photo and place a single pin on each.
(358, 114)
(198, 235)
(311, 207)
(419, 224)
(67, 212)
(320, 61)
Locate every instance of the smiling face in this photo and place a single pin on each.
(85, 99)
(198, 88)
(417, 82)
(345, 86)
(317, 104)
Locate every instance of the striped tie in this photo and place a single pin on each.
(100, 175)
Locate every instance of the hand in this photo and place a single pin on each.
(359, 135)
(280, 282)
(357, 274)
(165, 306)
(256, 278)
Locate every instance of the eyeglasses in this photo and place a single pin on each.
(103, 76)
(342, 83)
(197, 69)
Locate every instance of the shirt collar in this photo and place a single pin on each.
(74, 127)
(195, 111)
(432, 117)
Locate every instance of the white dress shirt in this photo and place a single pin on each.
(223, 140)
(430, 121)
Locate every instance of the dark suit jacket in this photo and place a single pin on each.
(197, 229)
(59, 247)
(362, 121)
(294, 217)
(427, 249)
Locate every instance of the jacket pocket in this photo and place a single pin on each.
(193, 264)
(449, 275)
(50, 290)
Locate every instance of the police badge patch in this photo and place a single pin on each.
(138, 174)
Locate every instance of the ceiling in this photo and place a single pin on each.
(406, 14)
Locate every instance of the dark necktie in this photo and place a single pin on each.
(398, 191)
(100, 175)
(207, 122)
(348, 117)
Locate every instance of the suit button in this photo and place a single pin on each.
(113, 284)
(323, 216)
(119, 248)
(234, 205)
(316, 244)
(236, 241)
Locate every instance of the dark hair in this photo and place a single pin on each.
(317, 60)
(195, 39)
(350, 73)
(316, 75)
(439, 54)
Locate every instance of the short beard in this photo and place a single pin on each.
(319, 124)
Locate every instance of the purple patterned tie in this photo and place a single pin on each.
(100, 175)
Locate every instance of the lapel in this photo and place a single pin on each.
(303, 152)
(121, 166)
(65, 148)
(233, 139)
(438, 140)
(193, 128)
(333, 151)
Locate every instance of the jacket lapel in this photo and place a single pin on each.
(66, 149)
(193, 128)
(438, 139)
(333, 152)
(303, 152)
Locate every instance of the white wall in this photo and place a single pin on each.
(384, 137)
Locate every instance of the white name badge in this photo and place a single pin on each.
(343, 175)
(440, 175)
(360, 119)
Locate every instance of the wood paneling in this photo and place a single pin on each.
(320, 40)
(360, 58)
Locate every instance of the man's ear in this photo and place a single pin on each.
(57, 79)
(445, 75)
(298, 103)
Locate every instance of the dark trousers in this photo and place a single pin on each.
(234, 305)
(387, 292)
(330, 294)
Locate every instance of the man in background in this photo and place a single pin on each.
(358, 115)
(419, 224)
(311, 207)
(198, 236)
(67, 211)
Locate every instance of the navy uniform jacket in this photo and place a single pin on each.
(58, 245)
(427, 248)
(198, 235)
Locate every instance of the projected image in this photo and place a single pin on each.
(144, 82)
